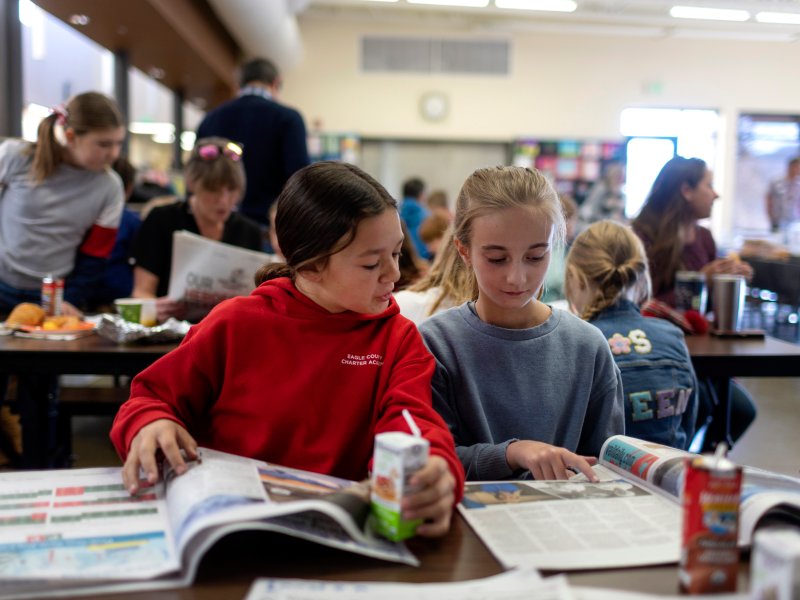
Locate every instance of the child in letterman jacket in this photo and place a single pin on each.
(607, 276)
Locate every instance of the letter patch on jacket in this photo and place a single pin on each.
(636, 340)
(646, 405)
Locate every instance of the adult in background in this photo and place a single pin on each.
(413, 212)
(783, 198)
(682, 194)
(605, 200)
(60, 202)
(215, 180)
(273, 135)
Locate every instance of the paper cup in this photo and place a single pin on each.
(137, 310)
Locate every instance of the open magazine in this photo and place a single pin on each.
(206, 272)
(71, 532)
(631, 517)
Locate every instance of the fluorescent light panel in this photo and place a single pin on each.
(710, 14)
(548, 5)
(467, 3)
(778, 17)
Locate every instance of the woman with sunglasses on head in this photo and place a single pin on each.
(60, 202)
(215, 180)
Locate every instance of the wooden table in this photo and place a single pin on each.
(230, 567)
(721, 358)
(38, 363)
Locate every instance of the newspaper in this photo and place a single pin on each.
(78, 531)
(631, 517)
(205, 272)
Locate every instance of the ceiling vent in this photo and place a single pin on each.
(425, 55)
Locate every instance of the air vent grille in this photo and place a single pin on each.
(425, 55)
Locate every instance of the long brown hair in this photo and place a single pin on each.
(318, 212)
(449, 274)
(610, 257)
(90, 111)
(664, 217)
(497, 188)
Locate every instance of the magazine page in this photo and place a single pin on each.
(657, 467)
(563, 525)
(772, 497)
(222, 493)
(518, 584)
(205, 272)
(82, 524)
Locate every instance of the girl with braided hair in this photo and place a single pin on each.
(607, 279)
(527, 390)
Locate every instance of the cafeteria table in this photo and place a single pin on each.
(37, 363)
(721, 358)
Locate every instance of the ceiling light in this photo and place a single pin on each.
(713, 14)
(778, 17)
(551, 5)
(468, 3)
(79, 19)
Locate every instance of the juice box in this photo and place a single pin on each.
(710, 555)
(397, 457)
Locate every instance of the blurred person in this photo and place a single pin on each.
(215, 180)
(412, 267)
(117, 281)
(413, 212)
(554, 282)
(682, 194)
(606, 199)
(273, 135)
(432, 230)
(438, 204)
(60, 202)
(783, 198)
(446, 284)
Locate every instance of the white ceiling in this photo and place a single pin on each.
(641, 18)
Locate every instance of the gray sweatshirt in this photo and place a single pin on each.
(555, 383)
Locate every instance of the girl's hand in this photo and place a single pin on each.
(434, 498)
(165, 435)
(548, 462)
(167, 307)
(727, 266)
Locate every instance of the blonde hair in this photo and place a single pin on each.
(497, 188)
(449, 274)
(90, 111)
(610, 257)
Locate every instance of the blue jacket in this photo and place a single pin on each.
(413, 214)
(658, 379)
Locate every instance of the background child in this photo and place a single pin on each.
(446, 284)
(522, 386)
(61, 202)
(607, 278)
(215, 177)
(308, 368)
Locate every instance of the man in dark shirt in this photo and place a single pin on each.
(273, 136)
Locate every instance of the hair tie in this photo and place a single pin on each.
(61, 114)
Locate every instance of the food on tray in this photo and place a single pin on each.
(62, 322)
(26, 313)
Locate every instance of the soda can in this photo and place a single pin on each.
(710, 554)
(52, 294)
(691, 291)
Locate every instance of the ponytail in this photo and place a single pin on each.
(273, 271)
(47, 152)
(611, 258)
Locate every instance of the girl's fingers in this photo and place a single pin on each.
(580, 463)
(130, 474)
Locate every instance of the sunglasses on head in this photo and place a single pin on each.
(213, 151)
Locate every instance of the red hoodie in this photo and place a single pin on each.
(274, 376)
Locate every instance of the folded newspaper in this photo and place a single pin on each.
(78, 531)
(631, 517)
(205, 272)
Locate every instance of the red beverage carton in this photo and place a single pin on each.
(710, 555)
(52, 294)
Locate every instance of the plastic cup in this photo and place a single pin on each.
(137, 310)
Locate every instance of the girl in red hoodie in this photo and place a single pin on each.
(308, 368)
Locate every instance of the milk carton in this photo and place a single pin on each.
(775, 565)
(397, 457)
